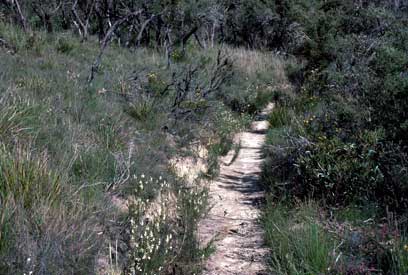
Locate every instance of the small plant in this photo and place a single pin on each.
(94, 165)
(64, 45)
(157, 242)
(37, 85)
(109, 133)
(400, 256)
(151, 241)
(301, 245)
(177, 55)
(27, 179)
(11, 121)
(140, 110)
(279, 117)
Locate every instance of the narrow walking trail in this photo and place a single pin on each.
(233, 221)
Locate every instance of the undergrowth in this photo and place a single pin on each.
(92, 191)
(338, 140)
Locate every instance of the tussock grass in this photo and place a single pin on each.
(41, 224)
(26, 178)
(300, 244)
(279, 117)
(12, 120)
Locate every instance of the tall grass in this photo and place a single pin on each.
(13, 119)
(42, 229)
(252, 63)
(64, 198)
(259, 77)
(26, 179)
(279, 117)
(300, 245)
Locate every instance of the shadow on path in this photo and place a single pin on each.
(233, 221)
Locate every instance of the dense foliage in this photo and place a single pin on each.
(351, 105)
(340, 140)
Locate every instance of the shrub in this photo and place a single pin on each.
(151, 236)
(351, 104)
(337, 172)
(158, 243)
(64, 45)
(140, 110)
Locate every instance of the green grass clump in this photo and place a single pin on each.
(140, 110)
(279, 117)
(39, 222)
(300, 244)
(26, 179)
(65, 45)
(13, 120)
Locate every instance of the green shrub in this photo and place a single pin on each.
(157, 244)
(152, 239)
(351, 146)
(64, 45)
(338, 172)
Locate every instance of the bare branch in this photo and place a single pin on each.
(82, 25)
(145, 24)
(106, 40)
(21, 15)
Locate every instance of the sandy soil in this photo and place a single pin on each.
(233, 221)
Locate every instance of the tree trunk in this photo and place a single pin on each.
(21, 15)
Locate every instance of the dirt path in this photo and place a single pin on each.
(233, 219)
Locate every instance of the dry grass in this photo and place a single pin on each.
(254, 62)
